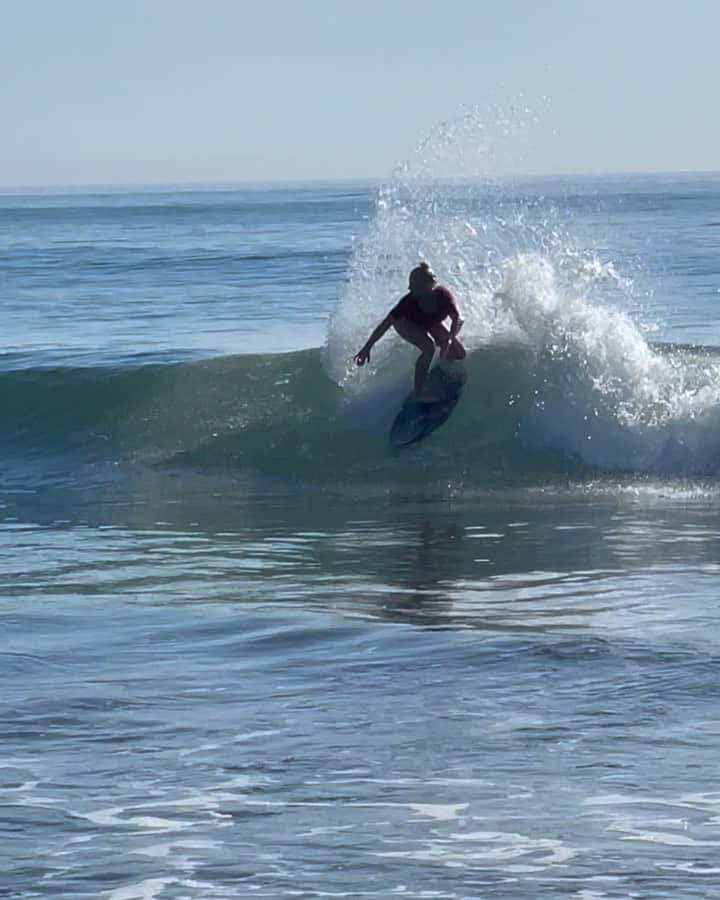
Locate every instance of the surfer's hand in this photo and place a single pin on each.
(362, 356)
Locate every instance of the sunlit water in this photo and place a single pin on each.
(248, 651)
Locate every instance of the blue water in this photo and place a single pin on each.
(248, 650)
(107, 276)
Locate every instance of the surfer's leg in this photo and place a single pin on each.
(414, 335)
(441, 334)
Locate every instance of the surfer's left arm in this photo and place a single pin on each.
(363, 355)
(456, 323)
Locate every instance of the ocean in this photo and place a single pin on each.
(248, 650)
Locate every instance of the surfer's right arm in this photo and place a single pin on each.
(363, 355)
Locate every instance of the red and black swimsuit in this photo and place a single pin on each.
(410, 308)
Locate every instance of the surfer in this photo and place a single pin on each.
(419, 319)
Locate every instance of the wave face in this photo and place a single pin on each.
(587, 398)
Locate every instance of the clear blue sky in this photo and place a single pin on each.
(112, 91)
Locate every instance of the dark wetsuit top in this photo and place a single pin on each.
(409, 308)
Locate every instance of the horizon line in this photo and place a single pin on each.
(220, 184)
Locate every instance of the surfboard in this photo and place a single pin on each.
(419, 418)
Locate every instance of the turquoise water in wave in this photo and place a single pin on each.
(247, 650)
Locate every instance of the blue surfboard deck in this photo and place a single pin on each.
(419, 418)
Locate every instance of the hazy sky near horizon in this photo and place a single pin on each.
(98, 91)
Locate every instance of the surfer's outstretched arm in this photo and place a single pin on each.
(363, 355)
